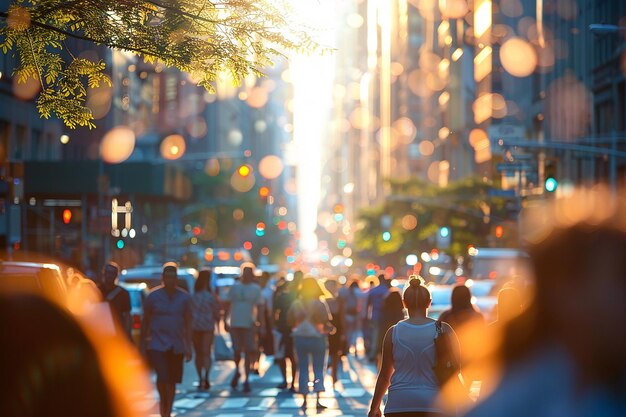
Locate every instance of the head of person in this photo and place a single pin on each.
(332, 286)
(203, 283)
(281, 286)
(297, 278)
(382, 280)
(393, 301)
(509, 303)
(110, 273)
(355, 285)
(52, 369)
(247, 272)
(265, 279)
(461, 298)
(416, 296)
(578, 255)
(310, 289)
(170, 276)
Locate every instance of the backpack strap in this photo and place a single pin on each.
(111, 296)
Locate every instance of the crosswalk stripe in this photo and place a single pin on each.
(263, 405)
(235, 403)
(188, 402)
(289, 403)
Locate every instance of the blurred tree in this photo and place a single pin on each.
(464, 207)
(201, 37)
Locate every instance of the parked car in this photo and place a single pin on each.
(151, 276)
(138, 293)
(34, 277)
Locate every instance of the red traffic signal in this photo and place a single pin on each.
(67, 216)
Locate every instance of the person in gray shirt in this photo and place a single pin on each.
(167, 334)
(244, 307)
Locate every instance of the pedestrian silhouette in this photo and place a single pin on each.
(205, 312)
(564, 355)
(167, 334)
(311, 322)
(408, 359)
(53, 366)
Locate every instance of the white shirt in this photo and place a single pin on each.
(413, 383)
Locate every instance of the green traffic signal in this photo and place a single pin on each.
(551, 184)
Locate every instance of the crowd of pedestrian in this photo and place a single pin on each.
(558, 353)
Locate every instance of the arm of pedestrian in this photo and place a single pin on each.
(454, 341)
(384, 376)
(145, 327)
(187, 331)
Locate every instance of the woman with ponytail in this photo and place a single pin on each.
(408, 360)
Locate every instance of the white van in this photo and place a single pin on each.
(498, 263)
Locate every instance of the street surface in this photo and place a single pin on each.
(351, 397)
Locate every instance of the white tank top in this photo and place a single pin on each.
(413, 383)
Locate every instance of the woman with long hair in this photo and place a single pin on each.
(311, 322)
(205, 313)
(408, 360)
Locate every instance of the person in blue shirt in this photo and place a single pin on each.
(167, 334)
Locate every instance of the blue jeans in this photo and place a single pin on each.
(311, 350)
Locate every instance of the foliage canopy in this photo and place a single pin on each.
(464, 206)
(201, 37)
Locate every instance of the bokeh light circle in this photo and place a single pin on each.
(409, 222)
(173, 147)
(453, 9)
(518, 57)
(242, 184)
(117, 145)
(271, 166)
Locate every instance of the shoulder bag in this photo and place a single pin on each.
(446, 365)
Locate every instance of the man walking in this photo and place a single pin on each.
(375, 298)
(244, 306)
(117, 297)
(167, 334)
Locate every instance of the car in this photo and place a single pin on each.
(440, 295)
(151, 276)
(138, 293)
(498, 263)
(33, 277)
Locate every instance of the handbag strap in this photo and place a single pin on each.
(438, 327)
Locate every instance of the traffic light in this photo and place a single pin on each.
(499, 231)
(67, 216)
(264, 192)
(443, 237)
(386, 236)
(551, 183)
(120, 244)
